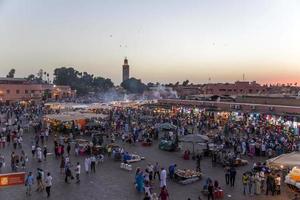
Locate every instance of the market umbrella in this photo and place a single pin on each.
(288, 160)
(93, 124)
(167, 126)
(194, 138)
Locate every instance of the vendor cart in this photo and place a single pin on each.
(167, 145)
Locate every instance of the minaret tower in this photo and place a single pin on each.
(125, 70)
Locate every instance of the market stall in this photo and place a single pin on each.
(70, 120)
(84, 146)
(293, 179)
(169, 142)
(167, 126)
(194, 139)
(285, 161)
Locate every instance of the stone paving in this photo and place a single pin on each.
(111, 182)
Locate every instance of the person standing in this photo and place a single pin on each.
(33, 149)
(62, 164)
(87, 163)
(93, 164)
(39, 179)
(68, 148)
(147, 196)
(164, 195)
(156, 171)
(232, 176)
(211, 190)
(68, 174)
(198, 162)
(227, 174)
(172, 169)
(245, 180)
(39, 154)
(269, 183)
(48, 183)
(2, 162)
(163, 177)
(262, 180)
(278, 183)
(251, 183)
(77, 171)
(29, 183)
(45, 151)
(257, 182)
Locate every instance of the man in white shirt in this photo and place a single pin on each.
(48, 183)
(163, 177)
(87, 163)
(77, 171)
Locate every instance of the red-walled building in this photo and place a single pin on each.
(237, 88)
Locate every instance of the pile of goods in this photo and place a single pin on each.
(187, 176)
(134, 158)
(240, 162)
(126, 166)
(293, 179)
(187, 173)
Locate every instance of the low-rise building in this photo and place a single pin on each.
(19, 89)
(237, 88)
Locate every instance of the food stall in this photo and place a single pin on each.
(169, 142)
(68, 118)
(187, 176)
(292, 179)
(194, 139)
(84, 146)
(285, 162)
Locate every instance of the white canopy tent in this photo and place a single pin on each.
(71, 116)
(66, 106)
(288, 160)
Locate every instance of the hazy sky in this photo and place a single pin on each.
(164, 40)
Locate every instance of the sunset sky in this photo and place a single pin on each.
(164, 40)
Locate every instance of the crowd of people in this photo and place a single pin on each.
(245, 136)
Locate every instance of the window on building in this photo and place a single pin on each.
(229, 90)
(234, 90)
(32, 91)
(241, 90)
(26, 91)
(7, 91)
(17, 91)
(250, 91)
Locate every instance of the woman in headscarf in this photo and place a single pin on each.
(139, 180)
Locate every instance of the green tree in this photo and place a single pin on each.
(11, 73)
(134, 85)
(185, 83)
(30, 77)
(150, 84)
(83, 82)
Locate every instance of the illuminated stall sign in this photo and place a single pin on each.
(11, 179)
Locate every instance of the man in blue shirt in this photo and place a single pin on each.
(172, 170)
(29, 183)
